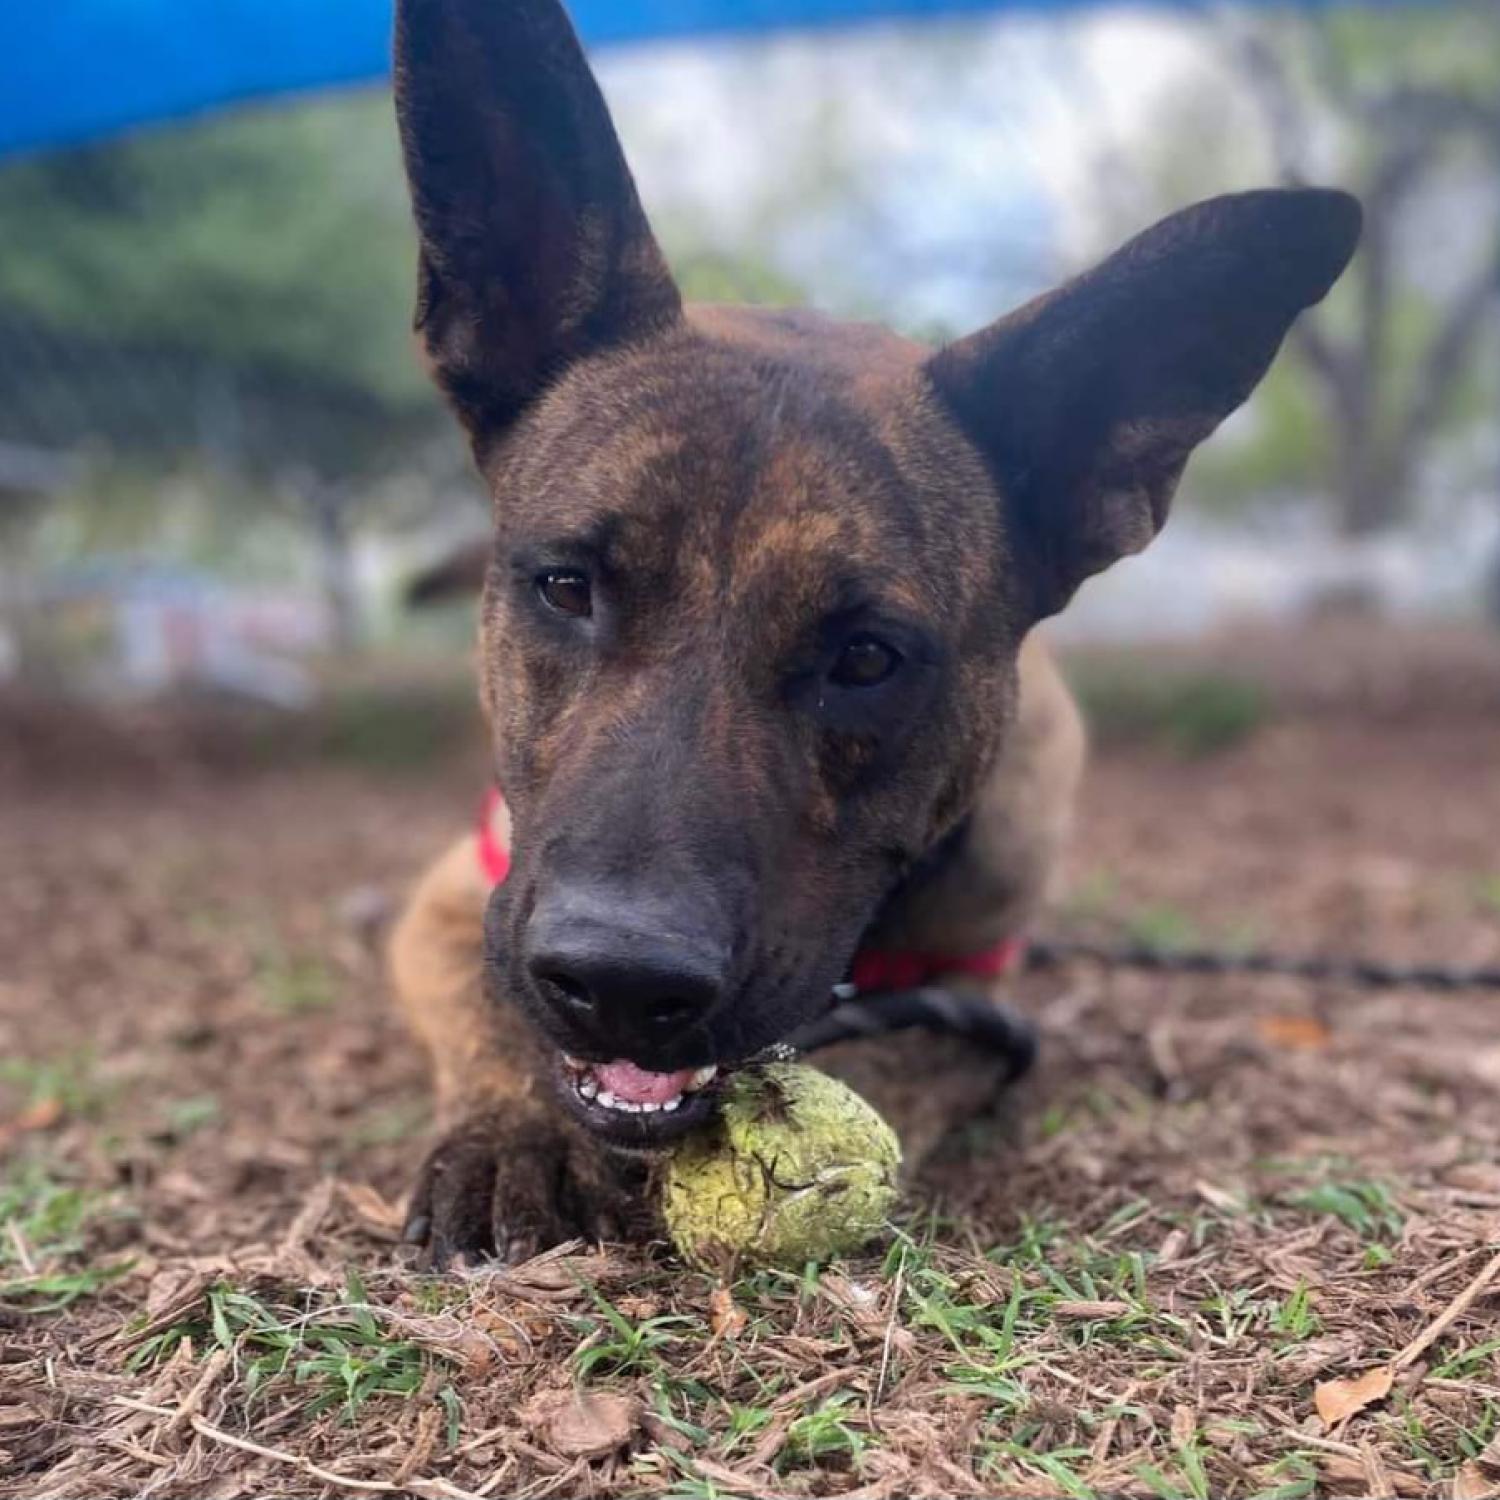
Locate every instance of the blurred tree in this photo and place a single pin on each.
(1405, 103)
(232, 301)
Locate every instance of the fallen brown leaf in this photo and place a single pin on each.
(41, 1115)
(1338, 1400)
(589, 1424)
(1295, 1033)
(725, 1316)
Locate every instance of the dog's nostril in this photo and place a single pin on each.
(576, 994)
(672, 1012)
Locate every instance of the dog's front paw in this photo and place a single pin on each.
(511, 1185)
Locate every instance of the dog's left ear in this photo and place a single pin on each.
(535, 251)
(1087, 402)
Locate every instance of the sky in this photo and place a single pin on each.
(973, 149)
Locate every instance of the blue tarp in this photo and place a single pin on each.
(74, 70)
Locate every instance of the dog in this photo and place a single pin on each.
(757, 649)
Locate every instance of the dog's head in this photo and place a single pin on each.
(758, 582)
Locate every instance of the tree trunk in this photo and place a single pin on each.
(330, 507)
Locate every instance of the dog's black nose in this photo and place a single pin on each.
(623, 976)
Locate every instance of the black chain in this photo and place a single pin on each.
(1363, 973)
(854, 1017)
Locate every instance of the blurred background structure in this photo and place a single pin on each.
(220, 460)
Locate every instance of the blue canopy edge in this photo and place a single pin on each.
(75, 70)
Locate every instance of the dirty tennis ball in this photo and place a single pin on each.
(796, 1167)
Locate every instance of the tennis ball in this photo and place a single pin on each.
(796, 1167)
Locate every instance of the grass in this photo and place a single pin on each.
(1368, 1208)
(616, 1345)
(293, 983)
(393, 728)
(68, 1080)
(822, 1435)
(1098, 899)
(337, 1358)
(1486, 890)
(44, 1225)
(1190, 713)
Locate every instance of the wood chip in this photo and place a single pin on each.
(1219, 1198)
(1473, 1482)
(1449, 1315)
(1171, 1249)
(1184, 1425)
(1090, 1311)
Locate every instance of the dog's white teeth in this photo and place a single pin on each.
(649, 1108)
(607, 1099)
(703, 1077)
(673, 1103)
(588, 1087)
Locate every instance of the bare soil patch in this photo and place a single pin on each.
(1145, 1272)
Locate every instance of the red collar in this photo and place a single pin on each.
(873, 968)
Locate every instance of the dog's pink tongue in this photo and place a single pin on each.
(636, 1086)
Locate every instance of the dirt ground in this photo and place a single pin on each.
(1235, 1237)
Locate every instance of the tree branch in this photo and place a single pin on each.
(1448, 353)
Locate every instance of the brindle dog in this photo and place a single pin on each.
(755, 619)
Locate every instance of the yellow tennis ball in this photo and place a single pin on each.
(796, 1167)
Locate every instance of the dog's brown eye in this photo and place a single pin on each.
(865, 662)
(567, 592)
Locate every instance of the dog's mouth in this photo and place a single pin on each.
(631, 1106)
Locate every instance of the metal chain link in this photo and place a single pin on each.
(1319, 968)
(853, 1016)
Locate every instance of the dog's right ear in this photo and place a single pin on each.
(534, 247)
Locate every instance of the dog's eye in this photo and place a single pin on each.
(566, 591)
(865, 661)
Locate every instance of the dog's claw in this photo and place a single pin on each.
(505, 1186)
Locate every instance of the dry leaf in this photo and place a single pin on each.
(1295, 1033)
(725, 1316)
(1472, 1483)
(590, 1424)
(1338, 1400)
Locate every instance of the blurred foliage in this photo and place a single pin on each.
(1191, 713)
(1401, 104)
(271, 236)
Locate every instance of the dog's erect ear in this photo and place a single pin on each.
(534, 248)
(1087, 402)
